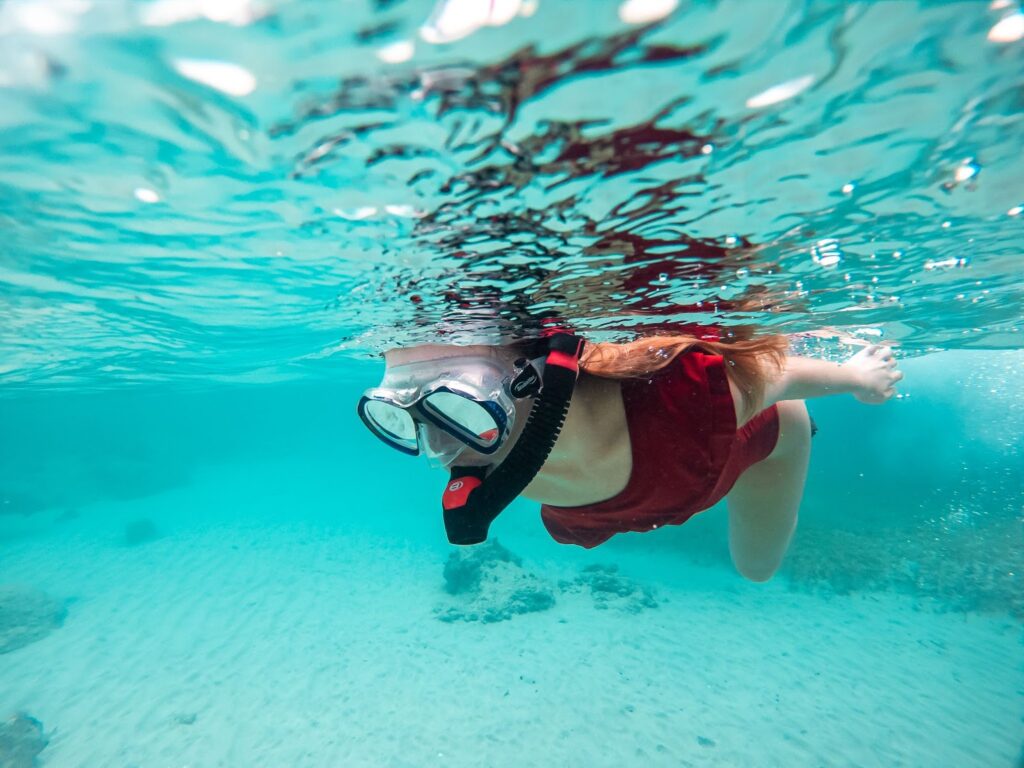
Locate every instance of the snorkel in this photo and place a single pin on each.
(474, 497)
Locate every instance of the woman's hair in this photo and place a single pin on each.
(750, 361)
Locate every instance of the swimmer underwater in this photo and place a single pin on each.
(617, 437)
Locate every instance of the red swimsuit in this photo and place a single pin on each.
(687, 453)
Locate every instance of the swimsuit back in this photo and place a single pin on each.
(687, 452)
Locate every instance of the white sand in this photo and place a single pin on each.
(303, 640)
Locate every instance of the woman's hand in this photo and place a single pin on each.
(873, 374)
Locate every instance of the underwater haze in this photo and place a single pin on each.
(217, 215)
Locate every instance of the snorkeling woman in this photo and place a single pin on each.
(614, 437)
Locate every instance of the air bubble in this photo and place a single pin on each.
(397, 52)
(826, 253)
(146, 195)
(967, 169)
(356, 214)
(780, 92)
(1017, 210)
(848, 188)
(645, 11)
(945, 263)
(707, 149)
(731, 240)
(224, 76)
(1008, 30)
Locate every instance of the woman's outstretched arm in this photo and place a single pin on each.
(870, 376)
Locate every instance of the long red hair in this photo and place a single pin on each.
(750, 361)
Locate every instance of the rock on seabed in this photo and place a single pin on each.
(26, 615)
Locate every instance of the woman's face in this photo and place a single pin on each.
(400, 367)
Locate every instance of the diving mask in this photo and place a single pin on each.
(442, 407)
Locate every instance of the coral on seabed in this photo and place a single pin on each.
(611, 590)
(26, 615)
(488, 583)
(21, 739)
(977, 567)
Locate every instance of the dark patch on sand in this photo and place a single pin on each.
(21, 740)
(26, 615)
(140, 532)
(16, 503)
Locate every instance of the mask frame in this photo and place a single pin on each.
(480, 380)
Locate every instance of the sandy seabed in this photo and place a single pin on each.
(256, 637)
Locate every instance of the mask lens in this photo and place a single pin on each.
(468, 416)
(440, 448)
(392, 422)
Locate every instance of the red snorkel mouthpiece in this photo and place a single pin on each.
(473, 498)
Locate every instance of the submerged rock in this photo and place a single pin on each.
(26, 615)
(140, 532)
(609, 589)
(67, 515)
(487, 583)
(975, 567)
(465, 567)
(15, 503)
(21, 739)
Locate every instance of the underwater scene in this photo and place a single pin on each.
(218, 215)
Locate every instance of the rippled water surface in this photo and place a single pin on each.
(262, 189)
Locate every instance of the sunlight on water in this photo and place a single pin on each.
(328, 183)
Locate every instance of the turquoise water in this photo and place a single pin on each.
(217, 215)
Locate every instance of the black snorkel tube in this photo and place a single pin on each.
(473, 498)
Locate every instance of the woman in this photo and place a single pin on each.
(655, 431)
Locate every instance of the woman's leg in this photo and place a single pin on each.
(764, 502)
